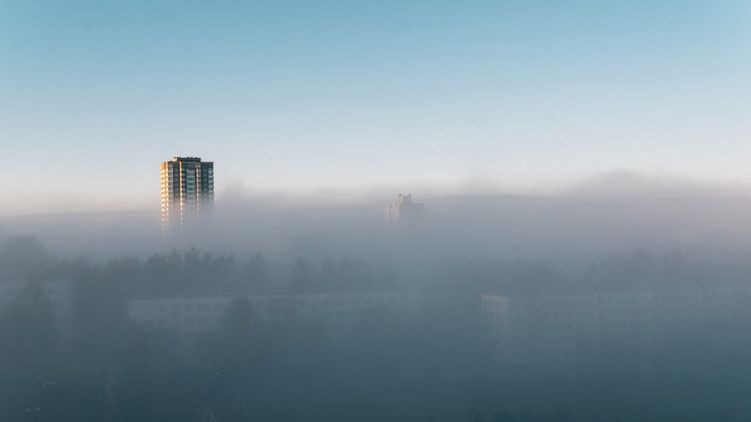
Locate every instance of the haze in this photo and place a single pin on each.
(299, 96)
(437, 211)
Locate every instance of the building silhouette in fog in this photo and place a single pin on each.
(187, 190)
(567, 326)
(404, 208)
(337, 312)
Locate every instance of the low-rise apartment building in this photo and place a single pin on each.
(567, 326)
(338, 311)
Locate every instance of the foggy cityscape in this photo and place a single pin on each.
(380, 211)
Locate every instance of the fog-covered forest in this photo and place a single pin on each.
(372, 326)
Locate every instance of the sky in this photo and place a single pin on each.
(307, 95)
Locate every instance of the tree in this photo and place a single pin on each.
(232, 347)
(27, 328)
(239, 318)
(23, 257)
(300, 276)
(257, 273)
(327, 276)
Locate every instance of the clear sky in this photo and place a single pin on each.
(309, 94)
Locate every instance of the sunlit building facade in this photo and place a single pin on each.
(187, 190)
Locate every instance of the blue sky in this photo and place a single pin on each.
(300, 95)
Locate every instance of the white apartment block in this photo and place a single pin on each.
(188, 317)
(562, 327)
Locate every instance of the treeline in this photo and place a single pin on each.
(607, 274)
(191, 272)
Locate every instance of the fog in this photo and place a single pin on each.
(622, 297)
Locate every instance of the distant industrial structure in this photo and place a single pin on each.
(187, 190)
(404, 208)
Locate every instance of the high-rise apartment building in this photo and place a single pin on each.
(187, 190)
